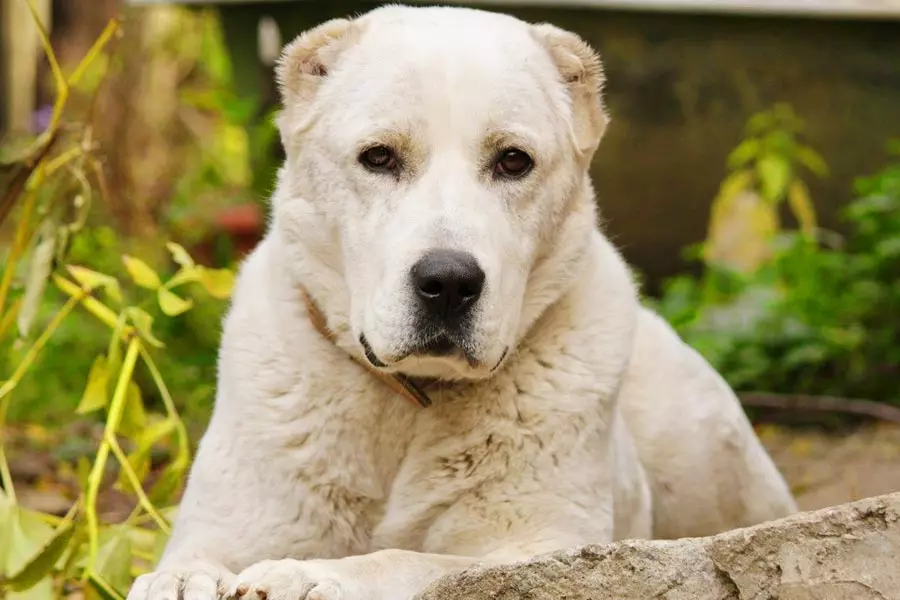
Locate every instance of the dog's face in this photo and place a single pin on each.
(434, 157)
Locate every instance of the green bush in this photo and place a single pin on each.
(821, 317)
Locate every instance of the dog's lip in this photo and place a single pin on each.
(500, 361)
(370, 354)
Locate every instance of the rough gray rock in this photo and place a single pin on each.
(847, 552)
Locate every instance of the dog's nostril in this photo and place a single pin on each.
(431, 287)
(467, 291)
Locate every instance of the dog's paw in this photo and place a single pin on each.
(202, 582)
(294, 580)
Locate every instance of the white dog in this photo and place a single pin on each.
(435, 233)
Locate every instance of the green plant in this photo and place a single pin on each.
(815, 318)
(48, 189)
(765, 170)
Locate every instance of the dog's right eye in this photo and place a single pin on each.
(379, 158)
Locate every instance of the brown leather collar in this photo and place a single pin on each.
(396, 381)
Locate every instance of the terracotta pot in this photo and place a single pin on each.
(243, 224)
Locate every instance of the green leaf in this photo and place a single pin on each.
(141, 272)
(114, 558)
(217, 282)
(774, 175)
(184, 275)
(43, 590)
(91, 280)
(172, 304)
(144, 324)
(744, 153)
(139, 460)
(811, 159)
(180, 255)
(42, 563)
(134, 416)
(170, 479)
(103, 588)
(95, 394)
(23, 535)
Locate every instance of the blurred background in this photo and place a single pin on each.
(751, 176)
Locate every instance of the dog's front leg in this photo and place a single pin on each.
(382, 575)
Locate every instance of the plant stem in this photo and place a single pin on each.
(95, 478)
(91, 304)
(180, 429)
(135, 482)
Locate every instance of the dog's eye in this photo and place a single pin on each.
(513, 163)
(379, 158)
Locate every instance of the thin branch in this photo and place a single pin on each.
(855, 406)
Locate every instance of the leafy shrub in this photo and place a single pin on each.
(105, 324)
(820, 317)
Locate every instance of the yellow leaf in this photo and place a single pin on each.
(218, 282)
(180, 255)
(134, 417)
(95, 396)
(89, 279)
(184, 275)
(802, 206)
(141, 272)
(144, 324)
(172, 304)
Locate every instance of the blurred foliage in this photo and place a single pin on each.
(819, 315)
(67, 327)
(765, 171)
(222, 150)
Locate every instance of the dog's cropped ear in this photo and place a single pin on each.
(305, 62)
(581, 71)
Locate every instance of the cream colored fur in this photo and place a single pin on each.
(314, 480)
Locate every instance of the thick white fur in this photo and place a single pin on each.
(314, 480)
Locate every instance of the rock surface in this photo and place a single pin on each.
(847, 552)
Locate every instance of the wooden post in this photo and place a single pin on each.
(21, 53)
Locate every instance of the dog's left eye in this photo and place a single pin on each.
(379, 158)
(513, 163)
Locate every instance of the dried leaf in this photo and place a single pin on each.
(38, 273)
(141, 272)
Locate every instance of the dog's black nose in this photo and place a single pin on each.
(448, 282)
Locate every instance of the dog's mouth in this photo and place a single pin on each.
(440, 346)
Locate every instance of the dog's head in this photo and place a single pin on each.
(435, 196)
